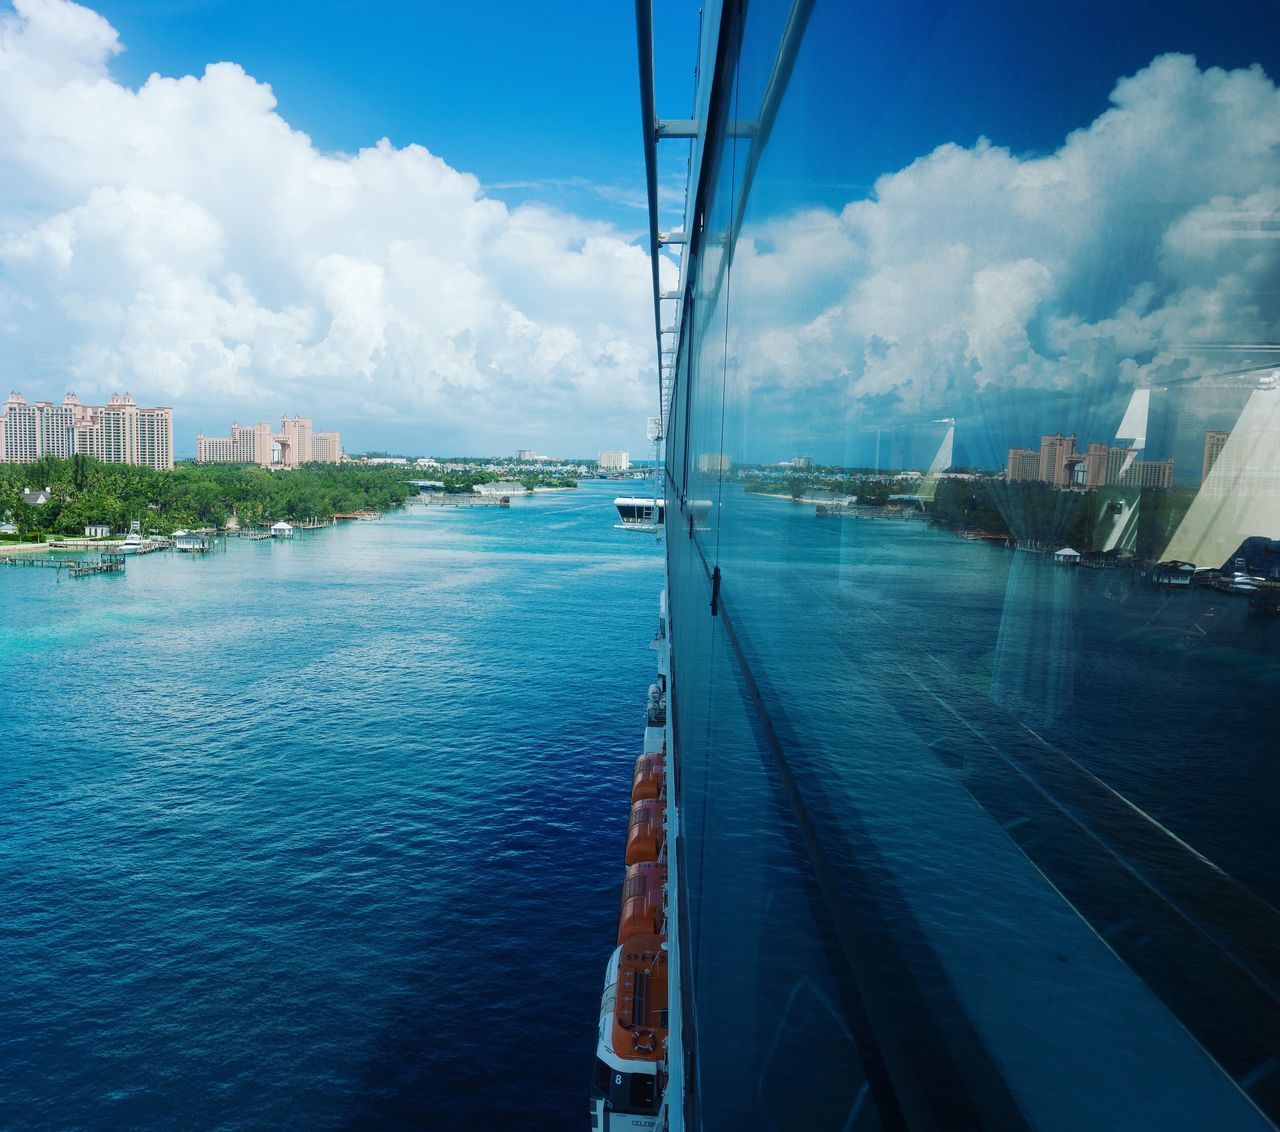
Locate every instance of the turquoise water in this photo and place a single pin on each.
(325, 833)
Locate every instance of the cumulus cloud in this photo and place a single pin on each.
(976, 273)
(184, 242)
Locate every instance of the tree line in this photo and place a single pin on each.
(86, 491)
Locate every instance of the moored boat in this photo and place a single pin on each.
(133, 542)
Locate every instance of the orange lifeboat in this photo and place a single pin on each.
(649, 777)
(646, 836)
(642, 907)
(640, 1009)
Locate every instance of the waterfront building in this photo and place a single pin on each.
(119, 432)
(499, 487)
(1104, 464)
(1149, 474)
(326, 448)
(1023, 466)
(1058, 457)
(247, 444)
(936, 866)
(294, 444)
(613, 461)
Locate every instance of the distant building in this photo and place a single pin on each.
(528, 455)
(36, 498)
(97, 530)
(190, 541)
(1058, 459)
(1215, 440)
(247, 444)
(293, 445)
(613, 461)
(1059, 463)
(119, 432)
(1104, 465)
(500, 487)
(1024, 465)
(1149, 473)
(326, 448)
(802, 462)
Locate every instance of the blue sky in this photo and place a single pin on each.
(231, 238)
(536, 99)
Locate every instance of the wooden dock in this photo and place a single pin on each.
(73, 567)
(106, 564)
(440, 500)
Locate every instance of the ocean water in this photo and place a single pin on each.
(321, 834)
(328, 834)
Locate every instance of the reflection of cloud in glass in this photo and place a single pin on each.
(973, 273)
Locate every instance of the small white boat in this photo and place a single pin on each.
(133, 541)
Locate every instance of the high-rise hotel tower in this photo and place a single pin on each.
(295, 444)
(119, 432)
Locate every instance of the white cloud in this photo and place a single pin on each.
(182, 241)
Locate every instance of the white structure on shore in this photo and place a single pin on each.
(293, 445)
(614, 461)
(119, 432)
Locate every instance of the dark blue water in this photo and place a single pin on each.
(323, 834)
(1163, 694)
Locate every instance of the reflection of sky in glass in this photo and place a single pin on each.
(1031, 257)
(1018, 245)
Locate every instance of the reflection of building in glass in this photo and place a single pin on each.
(1148, 473)
(714, 462)
(119, 432)
(293, 445)
(1102, 465)
(1215, 440)
(1057, 459)
(1024, 465)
